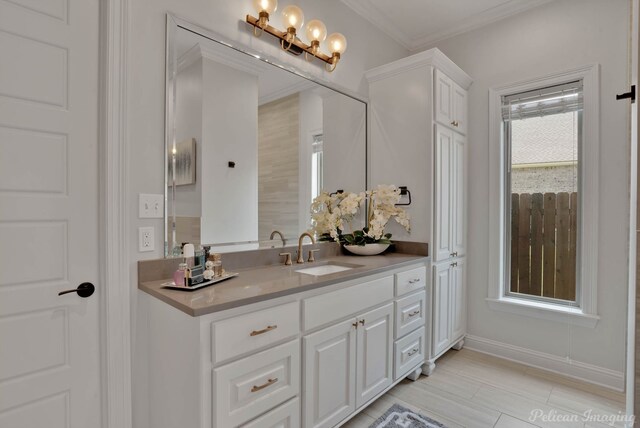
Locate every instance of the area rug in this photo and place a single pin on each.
(401, 417)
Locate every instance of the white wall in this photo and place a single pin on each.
(146, 73)
(311, 122)
(561, 35)
(229, 133)
(188, 117)
(344, 143)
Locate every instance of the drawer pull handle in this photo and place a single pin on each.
(413, 281)
(264, 330)
(414, 313)
(270, 382)
(412, 352)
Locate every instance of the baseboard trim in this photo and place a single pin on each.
(574, 369)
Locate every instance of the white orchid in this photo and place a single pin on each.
(330, 214)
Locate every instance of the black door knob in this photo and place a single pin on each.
(85, 289)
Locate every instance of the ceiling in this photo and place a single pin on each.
(417, 24)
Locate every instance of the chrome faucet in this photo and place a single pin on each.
(284, 241)
(313, 241)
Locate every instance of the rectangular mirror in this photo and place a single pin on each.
(250, 143)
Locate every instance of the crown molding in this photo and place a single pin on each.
(202, 51)
(301, 86)
(479, 20)
(432, 57)
(374, 16)
(377, 18)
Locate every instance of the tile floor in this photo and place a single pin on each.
(470, 389)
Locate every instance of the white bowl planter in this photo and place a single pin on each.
(367, 249)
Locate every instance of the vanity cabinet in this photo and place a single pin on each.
(450, 103)
(419, 139)
(347, 365)
(449, 305)
(450, 194)
(306, 360)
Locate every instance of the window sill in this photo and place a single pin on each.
(545, 311)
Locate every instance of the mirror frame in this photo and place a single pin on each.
(173, 23)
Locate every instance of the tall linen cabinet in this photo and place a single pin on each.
(419, 139)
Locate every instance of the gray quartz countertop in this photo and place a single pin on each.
(264, 283)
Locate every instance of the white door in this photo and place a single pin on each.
(443, 149)
(444, 98)
(330, 375)
(375, 353)
(49, 344)
(459, 109)
(441, 298)
(458, 195)
(457, 308)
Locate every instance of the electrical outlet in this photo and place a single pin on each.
(150, 205)
(146, 239)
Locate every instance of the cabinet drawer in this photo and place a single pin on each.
(249, 387)
(410, 313)
(323, 309)
(246, 333)
(285, 416)
(409, 352)
(411, 280)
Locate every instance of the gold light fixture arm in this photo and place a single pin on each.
(288, 39)
(331, 65)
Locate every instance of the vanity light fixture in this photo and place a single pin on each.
(293, 20)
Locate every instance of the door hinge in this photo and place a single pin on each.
(630, 95)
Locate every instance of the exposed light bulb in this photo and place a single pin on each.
(292, 17)
(268, 6)
(337, 43)
(316, 31)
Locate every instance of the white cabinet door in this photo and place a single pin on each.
(444, 98)
(375, 353)
(443, 184)
(441, 307)
(459, 109)
(458, 195)
(457, 308)
(330, 375)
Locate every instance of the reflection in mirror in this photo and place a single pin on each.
(250, 144)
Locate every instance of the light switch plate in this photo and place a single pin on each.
(150, 205)
(146, 239)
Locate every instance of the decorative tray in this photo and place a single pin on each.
(224, 277)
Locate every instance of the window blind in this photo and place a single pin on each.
(556, 99)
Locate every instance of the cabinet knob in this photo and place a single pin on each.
(355, 324)
(361, 322)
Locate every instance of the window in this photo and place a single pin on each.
(541, 131)
(316, 166)
(543, 197)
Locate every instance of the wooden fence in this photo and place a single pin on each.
(543, 244)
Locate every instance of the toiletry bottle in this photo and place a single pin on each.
(179, 275)
(200, 257)
(189, 252)
(217, 265)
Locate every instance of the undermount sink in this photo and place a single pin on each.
(327, 268)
